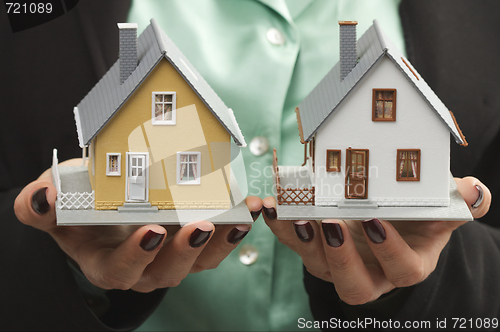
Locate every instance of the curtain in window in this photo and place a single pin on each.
(402, 158)
(159, 112)
(408, 164)
(184, 160)
(413, 157)
(168, 112)
(193, 165)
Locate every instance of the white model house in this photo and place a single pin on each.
(375, 134)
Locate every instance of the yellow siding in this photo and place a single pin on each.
(196, 129)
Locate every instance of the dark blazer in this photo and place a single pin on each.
(454, 45)
(44, 72)
(47, 70)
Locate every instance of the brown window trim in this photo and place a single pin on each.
(393, 105)
(333, 169)
(398, 162)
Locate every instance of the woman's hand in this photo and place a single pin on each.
(367, 259)
(129, 257)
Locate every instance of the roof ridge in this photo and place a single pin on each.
(380, 36)
(159, 38)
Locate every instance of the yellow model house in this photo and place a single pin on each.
(157, 135)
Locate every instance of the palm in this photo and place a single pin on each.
(80, 240)
(427, 239)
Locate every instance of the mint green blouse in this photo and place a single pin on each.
(262, 58)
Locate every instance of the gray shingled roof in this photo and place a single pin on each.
(329, 93)
(108, 95)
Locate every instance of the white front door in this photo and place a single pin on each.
(137, 176)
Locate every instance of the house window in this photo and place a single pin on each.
(384, 105)
(333, 160)
(113, 164)
(188, 167)
(163, 106)
(408, 165)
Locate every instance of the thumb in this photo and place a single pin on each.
(476, 195)
(35, 205)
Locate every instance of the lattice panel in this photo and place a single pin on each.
(295, 196)
(76, 201)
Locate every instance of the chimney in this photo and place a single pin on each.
(128, 49)
(348, 52)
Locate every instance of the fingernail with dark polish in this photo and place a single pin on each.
(236, 235)
(199, 237)
(374, 230)
(151, 240)
(270, 213)
(39, 202)
(479, 197)
(255, 214)
(333, 234)
(304, 230)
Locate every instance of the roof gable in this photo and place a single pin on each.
(326, 97)
(108, 95)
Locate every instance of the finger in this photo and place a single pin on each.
(282, 229)
(121, 268)
(254, 204)
(269, 209)
(35, 205)
(310, 248)
(476, 194)
(176, 258)
(224, 240)
(354, 282)
(402, 265)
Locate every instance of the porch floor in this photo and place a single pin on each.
(294, 177)
(74, 179)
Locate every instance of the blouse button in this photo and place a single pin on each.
(259, 145)
(275, 36)
(248, 254)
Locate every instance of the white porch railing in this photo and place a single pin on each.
(75, 201)
(56, 179)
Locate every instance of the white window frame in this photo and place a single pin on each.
(108, 157)
(153, 103)
(198, 168)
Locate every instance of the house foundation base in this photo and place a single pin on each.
(76, 179)
(237, 215)
(456, 211)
